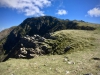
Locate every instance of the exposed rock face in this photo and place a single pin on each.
(29, 47)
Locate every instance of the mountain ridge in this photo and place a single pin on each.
(42, 26)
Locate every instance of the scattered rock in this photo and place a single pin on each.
(96, 58)
(31, 46)
(12, 74)
(21, 56)
(50, 68)
(70, 62)
(45, 65)
(65, 60)
(88, 74)
(67, 72)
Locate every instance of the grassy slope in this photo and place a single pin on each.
(82, 61)
(87, 24)
(75, 39)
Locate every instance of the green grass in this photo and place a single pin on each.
(53, 64)
(82, 62)
(75, 39)
(87, 24)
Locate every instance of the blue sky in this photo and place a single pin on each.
(13, 12)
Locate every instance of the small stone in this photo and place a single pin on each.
(21, 56)
(45, 65)
(73, 62)
(88, 74)
(12, 74)
(50, 68)
(21, 49)
(69, 62)
(24, 37)
(32, 55)
(21, 45)
(32, 38)
(67, 72)
(27, 35)
(28, 39)
(65, 60)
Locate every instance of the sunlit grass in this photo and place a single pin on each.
(82, 62)
(75, 39)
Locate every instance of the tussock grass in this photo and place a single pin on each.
(74, 39)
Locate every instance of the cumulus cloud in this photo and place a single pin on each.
(29, 7)
(95, 12)
(62, 12)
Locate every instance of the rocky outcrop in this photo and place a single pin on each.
(30, 47)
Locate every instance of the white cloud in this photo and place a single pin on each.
(95, 12)
(29, 7)
(62, 12)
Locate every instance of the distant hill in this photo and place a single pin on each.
(3, 35)
(5, 32)
(42, 26)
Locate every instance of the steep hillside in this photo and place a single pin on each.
(42, 26)
(3, 37)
